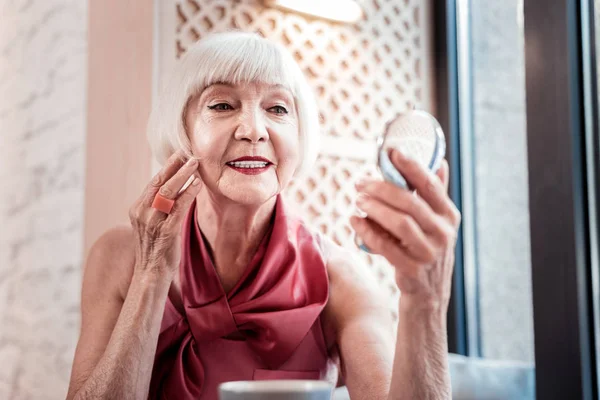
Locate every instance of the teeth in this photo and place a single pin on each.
(248, 164)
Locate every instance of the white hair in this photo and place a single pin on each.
(231, 57)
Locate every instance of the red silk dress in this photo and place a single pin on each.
(267, 326)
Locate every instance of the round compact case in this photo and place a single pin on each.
(416, 134)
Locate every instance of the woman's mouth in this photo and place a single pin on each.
(249, 167)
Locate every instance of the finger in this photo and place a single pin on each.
(378, 241)
(402, 200)
(444, 174)
(171, 189)
(174, 185)
(400, 225)
(173, 164)
(185, 199)
(428, 185)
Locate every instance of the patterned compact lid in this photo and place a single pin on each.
(415, 133)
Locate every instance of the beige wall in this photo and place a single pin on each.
(119, 98)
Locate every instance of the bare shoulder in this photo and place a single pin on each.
(111, 260)
(354, 292)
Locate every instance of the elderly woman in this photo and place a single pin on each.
(215, 280)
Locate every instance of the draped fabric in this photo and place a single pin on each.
(271, 310)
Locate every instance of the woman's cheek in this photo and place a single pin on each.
(289, 161)
(288, 143)
(204, 143)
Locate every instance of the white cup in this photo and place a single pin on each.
(276, 390)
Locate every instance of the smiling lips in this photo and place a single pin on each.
(250, 165)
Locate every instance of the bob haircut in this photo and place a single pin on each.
(230, 57)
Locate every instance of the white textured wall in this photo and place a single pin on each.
(43, 48)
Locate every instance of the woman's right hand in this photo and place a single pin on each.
(158, 235)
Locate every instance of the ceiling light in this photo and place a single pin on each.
(334, 10)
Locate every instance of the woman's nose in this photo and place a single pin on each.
(252, 128)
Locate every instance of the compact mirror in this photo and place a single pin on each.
(415, 133)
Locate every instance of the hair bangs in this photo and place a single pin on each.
(245, 61)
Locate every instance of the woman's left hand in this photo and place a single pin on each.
(416, 233)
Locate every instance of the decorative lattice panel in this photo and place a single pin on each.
(362, 75)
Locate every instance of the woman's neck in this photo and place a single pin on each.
(233, 232)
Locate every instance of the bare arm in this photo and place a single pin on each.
(417, 235)
(105, 273)
(118, 339)
(421, 360)
(115, 353)
(125, 368)
(374, 365)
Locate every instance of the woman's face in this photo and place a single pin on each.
(246, 137)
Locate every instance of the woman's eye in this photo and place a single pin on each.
(221, 107)
(279, 110)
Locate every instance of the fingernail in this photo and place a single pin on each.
(361, 244)
(192, 161)
(360, 213)
(196, 181)
(358, 240)
(397, 155)
(361, 200)
(364, 183)
(361, 183)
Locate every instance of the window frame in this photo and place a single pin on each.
(558, 187)
(453, 100)
(446, 77)
(563, 165)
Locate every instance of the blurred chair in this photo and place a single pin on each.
(484, 379)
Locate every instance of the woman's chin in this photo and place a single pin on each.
(249, 195)
(249, 190)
